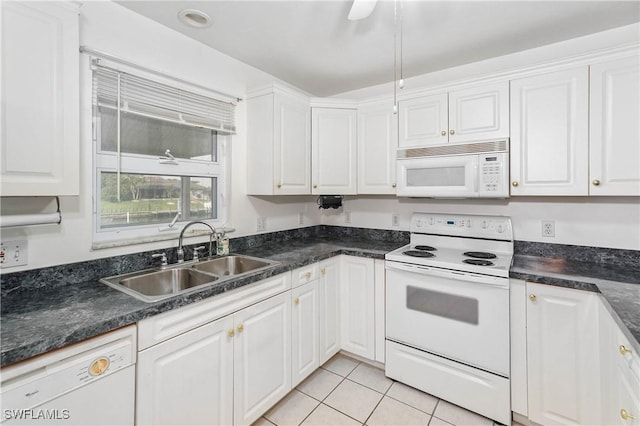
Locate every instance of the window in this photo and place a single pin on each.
(159, 156)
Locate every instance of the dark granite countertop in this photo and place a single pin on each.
(619, 286)
(37, 321)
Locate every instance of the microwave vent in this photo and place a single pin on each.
(456, 149)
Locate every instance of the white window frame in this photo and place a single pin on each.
(106, 161)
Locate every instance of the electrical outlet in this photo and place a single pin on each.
(300, 218)
(13, 253)
(347, 217)
(261, 225)
(548, 228)
(395, 219)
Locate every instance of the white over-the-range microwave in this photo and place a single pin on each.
(468, 170)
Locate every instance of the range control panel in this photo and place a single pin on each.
(495, 227)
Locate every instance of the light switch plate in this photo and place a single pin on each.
(13, 253)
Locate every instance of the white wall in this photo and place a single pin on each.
(112, 29)
(589, 221)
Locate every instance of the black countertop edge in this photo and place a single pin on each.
(618, 290)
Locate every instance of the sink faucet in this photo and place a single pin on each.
(181, 251)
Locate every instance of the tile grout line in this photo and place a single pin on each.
(434, 412)
(332, 390)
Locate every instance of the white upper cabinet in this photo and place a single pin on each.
(278, 143)
(377, 143)
(466, 115)
(333, 141)
(479, 113)
(549, 133)
(40, 99)
(614, 150)
(423, 121)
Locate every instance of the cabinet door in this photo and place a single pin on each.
(261, 357)
(549, 134)
(423, 121)
(292, 145)
(562, 356)
(479, 113)
(614, 150)
(188, 380)
(377, 144)
(518, 344)
(333, 142)
(620, 374)
(40, 99)
(305, 328)
(379, 309)
(329, 292)
(357, 301)
(628, 398)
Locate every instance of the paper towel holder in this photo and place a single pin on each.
(330, 201)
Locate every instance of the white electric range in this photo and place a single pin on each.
(447, 311)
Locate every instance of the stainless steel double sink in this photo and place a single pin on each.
(151, 285)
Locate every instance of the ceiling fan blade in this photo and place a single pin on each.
(361, 9)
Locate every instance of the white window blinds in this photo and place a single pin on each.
(152, 99)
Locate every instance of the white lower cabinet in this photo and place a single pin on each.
(562, 363)
(305, 331)
(357, 306)
(225, 360)
(188, 380)
(261, 357)
(620, 374)
(329, 308)
(229, 359)
(379, 307)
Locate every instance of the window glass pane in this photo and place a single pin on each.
(202, 198)
(149, 199)
(150, 136)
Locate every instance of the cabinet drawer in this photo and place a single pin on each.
(304, 275)
(625, 355)
(161, 327)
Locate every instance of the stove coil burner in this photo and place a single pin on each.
(478, 262)
(425, 248)
(479, 255)
(418, 253)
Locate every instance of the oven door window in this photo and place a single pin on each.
(446, 305)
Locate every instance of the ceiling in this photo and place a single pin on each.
(311, 44)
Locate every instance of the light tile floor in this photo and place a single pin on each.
(345, 391)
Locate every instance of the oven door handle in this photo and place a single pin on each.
(453, 275)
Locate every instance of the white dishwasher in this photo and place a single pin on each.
(88, 383)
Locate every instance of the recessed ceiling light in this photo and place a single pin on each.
(195, 18)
